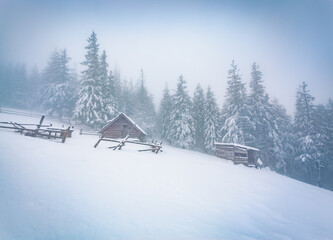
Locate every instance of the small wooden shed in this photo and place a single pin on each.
(120, 126)
(240, 154)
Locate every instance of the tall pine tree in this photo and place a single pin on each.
(182, 131)
(165, 113)
(279, 151)
(238, 126)
(19, 86)
(90, 103)
(266, 117)
(211, 121)
(308, 154)
(110, 103)
(199, 118)
(57, 92)
(35, 81)
(127, 98)
(144, 111)
(327, 174)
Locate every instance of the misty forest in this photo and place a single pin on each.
(298, 146)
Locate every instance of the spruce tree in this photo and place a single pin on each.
(308, 155)
(165, 113)
(238, 126)
(117, 88)
(211, 121)
(57, 92)
(5, 84)
(144, 111)
(199, 118)
(266, 116)
(279, 151)
(322, 119)
(127, 98)
(110, 109)
(113, 91)
(35, 82)
(19, 86)
(182, 131)
(90, 103)
(327, 174)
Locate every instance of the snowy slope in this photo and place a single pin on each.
(50, 190)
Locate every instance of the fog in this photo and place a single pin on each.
(292, 41)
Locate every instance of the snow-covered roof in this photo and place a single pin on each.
(128, 118)
(237, 145)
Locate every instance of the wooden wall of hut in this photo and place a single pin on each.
(121, 127)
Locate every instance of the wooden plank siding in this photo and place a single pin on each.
(239, 154)
(120, 128)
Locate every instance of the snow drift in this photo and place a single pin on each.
(50, 190)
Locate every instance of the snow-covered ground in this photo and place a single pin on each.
(50, 190)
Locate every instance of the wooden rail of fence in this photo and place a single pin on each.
(88, 132)
(35, 114)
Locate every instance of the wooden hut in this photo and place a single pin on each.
(240, 154)
(120, 126)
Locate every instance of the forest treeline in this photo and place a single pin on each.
(299, 146)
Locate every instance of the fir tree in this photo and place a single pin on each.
(90, 103)
(165, 113)
(5, 90)
(199, 118)
(57, 91)
(117, 88)
(279, 151)
(265, 117)
(113, 91)
(144, 113)
(211, 121)
(237, 126)
(2, 84)
(327, 174)
(308, 155)
(110, 109)
(127, 97)
(322, 120)
(35, 82)
(182, 131)
(19, 85)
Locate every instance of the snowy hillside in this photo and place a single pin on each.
(50, 190)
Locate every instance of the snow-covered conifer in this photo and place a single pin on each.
(211, 121)
(35, 82)
(18, 85)
(126, 98)
(117, 87)
(90, 100)
(267, 119)
(278, 153)
(144, 111)
(164, 113)
(182, 131)
(237, 125)
(57, 92)
(308, 154)
(198, 116)
(110, 109)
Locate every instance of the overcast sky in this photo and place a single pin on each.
(291, 40)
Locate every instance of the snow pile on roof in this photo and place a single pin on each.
(237, 145)
(128, 118)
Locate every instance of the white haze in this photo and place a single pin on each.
(194, 40)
